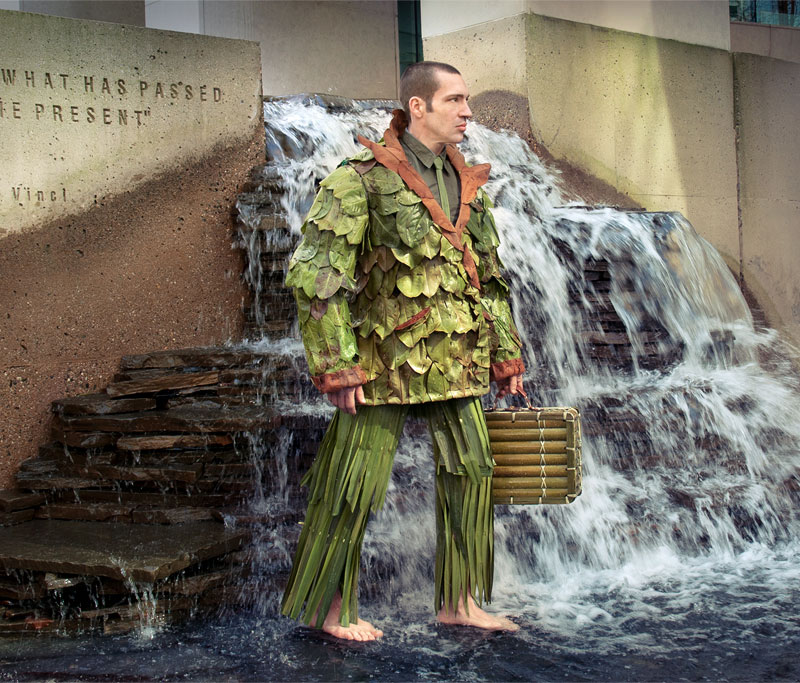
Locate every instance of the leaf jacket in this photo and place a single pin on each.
(391, 295)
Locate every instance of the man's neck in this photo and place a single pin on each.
(435, 147)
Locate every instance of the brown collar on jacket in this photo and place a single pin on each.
(392, 156)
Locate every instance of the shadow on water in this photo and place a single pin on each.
(680, 560)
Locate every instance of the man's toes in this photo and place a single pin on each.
(507, 625)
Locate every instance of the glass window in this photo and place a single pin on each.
(409, 32)
(777, 12)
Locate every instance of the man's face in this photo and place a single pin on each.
(446, 119)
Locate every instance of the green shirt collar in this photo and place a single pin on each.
(420, 151)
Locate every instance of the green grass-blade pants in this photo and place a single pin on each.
(348, 480)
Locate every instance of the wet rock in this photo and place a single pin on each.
(13, 500)
(170, 381)
(101, 404)
(142, 553)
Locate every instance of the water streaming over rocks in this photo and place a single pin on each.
(680, 558)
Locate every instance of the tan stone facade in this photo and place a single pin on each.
(115, 230)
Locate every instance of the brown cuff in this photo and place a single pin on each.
(505, 369)
(342, 379)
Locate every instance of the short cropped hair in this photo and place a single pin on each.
(421, 80)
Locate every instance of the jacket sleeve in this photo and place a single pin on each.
(505, 345)
(322, 271)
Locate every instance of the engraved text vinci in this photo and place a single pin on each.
(23, 193)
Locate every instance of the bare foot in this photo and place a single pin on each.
(362, 630)
(476, 617)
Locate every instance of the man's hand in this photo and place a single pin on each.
(346, 399)
(509, 385)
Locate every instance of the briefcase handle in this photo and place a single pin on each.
(499, 396)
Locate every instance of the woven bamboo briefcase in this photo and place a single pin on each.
(537, 452)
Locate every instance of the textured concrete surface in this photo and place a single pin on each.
(90, 109)
(151, 269)
(652, 117)
(768, 98)
(491, 57)
(340, 48)
(504, 110)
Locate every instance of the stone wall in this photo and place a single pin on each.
(768, 102)
(116, 193)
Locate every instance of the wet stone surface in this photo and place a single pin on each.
(141, 552)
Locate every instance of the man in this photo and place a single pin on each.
(402, 311)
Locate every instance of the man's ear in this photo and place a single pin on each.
(416, 107)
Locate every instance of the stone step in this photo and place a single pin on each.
(101, 404)
(200, 357)
(142, 552)
(131, 513)
(175, 380)
(188, 420)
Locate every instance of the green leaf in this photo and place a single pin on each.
(418, 359)
(353, 202)
(383, 181)
(463, 314)
(436, 385)
(369, 358)
(306, 279)
(331, 219)
(449, 252)
(412, 224)
(384, 316)
(393, 352)
(406, 197)
(411, 282)
(328, 282)
(323, 255)
(322, 204)
(309, 245)
(388, 284)
(354, 227)
(431, 244)
(303, 305)
(383, 204)
(433, 277)
(438, 348)
(451, 281)
(374, 283)
(341, 181)
(384, 231)
(444, 314)
(416, 389)
(343, 256)
(410, 257)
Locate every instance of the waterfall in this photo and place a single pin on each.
(691, 433)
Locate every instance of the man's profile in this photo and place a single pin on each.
(403, 312)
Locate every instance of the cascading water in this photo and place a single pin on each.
(689, 497)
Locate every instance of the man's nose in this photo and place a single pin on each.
(466, 112)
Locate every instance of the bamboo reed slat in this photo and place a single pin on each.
(531, 458)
